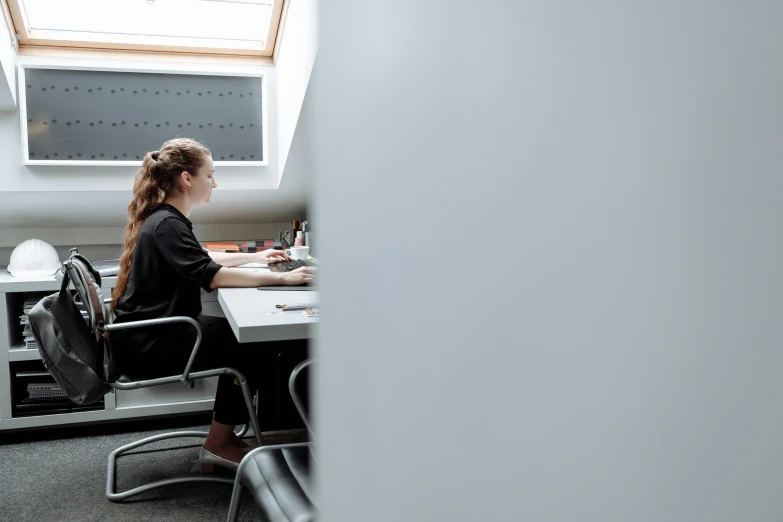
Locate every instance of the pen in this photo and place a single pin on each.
(292, 307)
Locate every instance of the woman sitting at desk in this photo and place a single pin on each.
(162, 269)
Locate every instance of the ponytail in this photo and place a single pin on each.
(147, 197)
(157, 177)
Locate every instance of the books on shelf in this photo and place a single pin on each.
(24, 320)
(45, 390)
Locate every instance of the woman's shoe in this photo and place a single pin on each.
(208, 460)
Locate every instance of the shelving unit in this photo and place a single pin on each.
(19, 353)
(119, 405)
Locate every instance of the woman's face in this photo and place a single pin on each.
(203, 183)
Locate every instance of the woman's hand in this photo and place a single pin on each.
(270, 256)
(300, 276)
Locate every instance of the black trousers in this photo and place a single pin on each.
(219, 349)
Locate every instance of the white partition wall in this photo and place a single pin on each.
(566, 301)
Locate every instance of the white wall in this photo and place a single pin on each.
(293, 65)
(571, 213)
(7, 62)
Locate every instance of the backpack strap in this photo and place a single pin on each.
(66, 279)
(86, 290)
(76, 271)
(62, 307)
(86, 264)
(97, 305)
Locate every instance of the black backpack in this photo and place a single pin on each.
(74, 348)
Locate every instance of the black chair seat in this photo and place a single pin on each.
(279, 481)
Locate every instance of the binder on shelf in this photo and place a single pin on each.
(35, 392)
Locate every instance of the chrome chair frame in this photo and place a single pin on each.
(295, 396)
(187, 378)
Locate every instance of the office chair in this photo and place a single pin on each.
(188, 378)
(279, 477)
(89, 297)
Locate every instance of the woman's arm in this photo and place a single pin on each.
(242, 278)
(233, 258)
(230, 259)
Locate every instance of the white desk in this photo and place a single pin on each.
(247, 310)
(253, 316)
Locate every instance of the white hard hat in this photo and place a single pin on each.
(34, 258)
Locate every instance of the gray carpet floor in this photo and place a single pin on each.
(60, 475)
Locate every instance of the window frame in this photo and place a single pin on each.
(21, 70)
(31, 40)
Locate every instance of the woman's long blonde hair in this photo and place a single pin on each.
(156, 178)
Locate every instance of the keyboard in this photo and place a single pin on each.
(287, 266)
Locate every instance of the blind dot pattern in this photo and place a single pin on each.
(107, 115)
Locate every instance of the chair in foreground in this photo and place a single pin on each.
(279, 477)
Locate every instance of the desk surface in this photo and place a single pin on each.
(253, 316)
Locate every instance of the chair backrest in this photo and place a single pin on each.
(297, 387)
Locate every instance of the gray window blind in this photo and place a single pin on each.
(120, 116)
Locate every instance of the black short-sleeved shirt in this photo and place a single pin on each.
(169, 267)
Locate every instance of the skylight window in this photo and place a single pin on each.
(245, 27)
